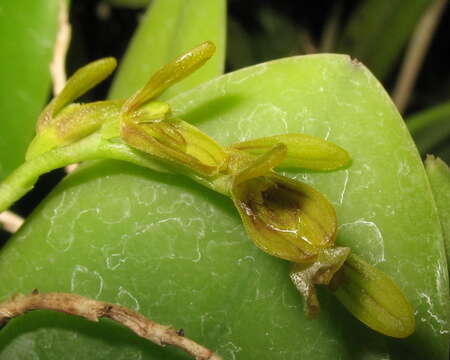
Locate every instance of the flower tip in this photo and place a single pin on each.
(109, 64)
(343, 158)
(208, 48)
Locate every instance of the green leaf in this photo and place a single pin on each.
(430, 127)
(28, 30)
(169, 29)
(178, 252)
(378, 31)
(439, 176)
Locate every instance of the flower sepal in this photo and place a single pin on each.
(284, 217)
(62, 122)
(373, 298)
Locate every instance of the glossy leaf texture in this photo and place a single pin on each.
(178, 253)
(168, 29)
(28, 30)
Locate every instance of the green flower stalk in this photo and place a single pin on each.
(284, 217)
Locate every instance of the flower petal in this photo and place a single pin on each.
(169, 74)
(373, 298)
(78, 84)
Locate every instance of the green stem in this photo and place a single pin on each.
(94, 146)
(22, 180)
(25, 176)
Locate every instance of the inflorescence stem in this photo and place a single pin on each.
(22, 180)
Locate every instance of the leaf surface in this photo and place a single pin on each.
(178, 253)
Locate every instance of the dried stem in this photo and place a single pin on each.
(58, 64)
(415, 53)
(93, 310)
(10, 221)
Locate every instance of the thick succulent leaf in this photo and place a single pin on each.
(178, 252)
(168, 29)
(28, 30)
(378, 31)
(439, 176)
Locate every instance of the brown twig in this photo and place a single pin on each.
(93, 310)
(415, 54)
(10, 221)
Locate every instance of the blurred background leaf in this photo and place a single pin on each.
(377, 32)
(431, 129)
(28, 31)
(168, 29)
